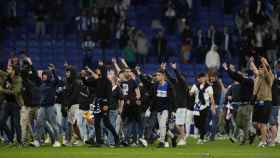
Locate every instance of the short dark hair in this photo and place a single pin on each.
(160, 71)
(200, 75)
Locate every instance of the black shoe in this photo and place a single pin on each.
(252, 138)
(174, 142)
(90, 141)
(160, 145)
(243, 142)
(125, 144)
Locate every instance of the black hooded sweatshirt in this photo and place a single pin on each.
(72, 89)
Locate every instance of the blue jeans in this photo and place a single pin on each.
(113, 114)
(212, 124)
(86, 130)
(47, 114)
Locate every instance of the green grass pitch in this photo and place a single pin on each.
(217, 149)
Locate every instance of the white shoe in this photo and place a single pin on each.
(36, 143)
(262, 145)
(143, 142)
(48, 140)
(166, 144)
(78, 143)
(57, 144)
(200, 141)
(181, 142)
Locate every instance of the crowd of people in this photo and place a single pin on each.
(116, 105)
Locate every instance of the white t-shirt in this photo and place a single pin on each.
(207, 93)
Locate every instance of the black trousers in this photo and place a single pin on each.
(200, 122)
(107, 123)
(11, 110)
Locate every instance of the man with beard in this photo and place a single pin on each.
(13, 96)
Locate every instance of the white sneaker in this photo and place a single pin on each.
(65, 141)
(143, 142)
(262, 145)
(78, 143)
(36, 143)
(48, 140)
(57, 144)
(200, 141)
(181, 142)
(166, 144)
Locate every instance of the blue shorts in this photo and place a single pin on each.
(274, 115)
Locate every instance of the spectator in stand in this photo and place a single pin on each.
(271, 46)
(170, 16)
(12, 8)
(211, 35)
(58, 18)
(88, 46)
(199, 43)
(104, 31)
(275, 20)
(186, 33)
(212, 59)
(259, 41)
(160, 46)
(94, 23)
(246, 45)
(226, 44)
(129, 54)
(83, 22)
(240, 20)
(142, 47)
(40, 14)
(257, 12)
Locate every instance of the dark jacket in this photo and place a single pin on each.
(180, 90)
(148, 92)
(246, 86)
(48, 90)
(85, 97)
(71, 92)
(31, 90)
(102, 87)
(234, 92)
